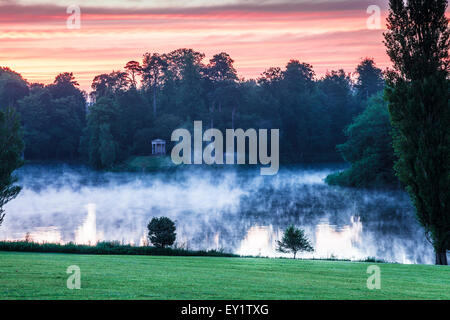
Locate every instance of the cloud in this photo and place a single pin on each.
(34, 39)
(44, 11)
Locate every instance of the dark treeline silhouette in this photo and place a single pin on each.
(148, 100)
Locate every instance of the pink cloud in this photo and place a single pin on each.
(35, 42)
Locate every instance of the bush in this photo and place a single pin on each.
(104, 248)
(161, 232)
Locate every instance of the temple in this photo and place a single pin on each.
(158, 147)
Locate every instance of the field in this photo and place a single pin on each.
(43, 276)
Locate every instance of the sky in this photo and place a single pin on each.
(36, 42)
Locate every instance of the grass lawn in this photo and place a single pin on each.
(146, 163)
(43, 276)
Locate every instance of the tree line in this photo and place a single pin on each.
(149, 99)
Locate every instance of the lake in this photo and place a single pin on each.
(235, 210)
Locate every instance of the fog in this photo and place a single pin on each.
(235, 210)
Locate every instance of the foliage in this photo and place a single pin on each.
(370, 79)
(368, 149)
(12, 88)
(294, 240)
(107, 149)
(340, 104)
(166, 91)
(104, 248)
(161, 232)
(53, 118)
(11, 146)
(103, 133)
(418, 92)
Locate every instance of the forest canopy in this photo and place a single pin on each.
(146, 100)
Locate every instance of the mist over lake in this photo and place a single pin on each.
(230, 209)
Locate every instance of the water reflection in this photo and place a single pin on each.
(87, 232)
(237, 211)
(260, 241)
(44, 234)
(339, 242)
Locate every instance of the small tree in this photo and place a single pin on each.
(161, 232)
(294, 240)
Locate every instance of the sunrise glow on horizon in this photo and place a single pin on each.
(330, 35)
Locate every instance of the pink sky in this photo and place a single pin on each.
(35, 41)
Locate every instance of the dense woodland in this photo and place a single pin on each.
(127, 109)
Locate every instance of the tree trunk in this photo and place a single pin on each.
(441, 257)
(295, 253)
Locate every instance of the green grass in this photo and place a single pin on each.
(146, 163)
(43, 276)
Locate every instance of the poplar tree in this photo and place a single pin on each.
(417, 42)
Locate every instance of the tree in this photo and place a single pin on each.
(295, 104)
(339, 103)
(134, 69)
(191, 98)
(270, 76)
(418, 93)
(161, 232)
(154, 68)
(53, 119)
(102, 133)
(221, 75)
(108, 84)
(369, 79)
(368, 149)
(298, 76)
(107, 148)
(220, 68)
(100, 86)
(232, 99)
(12, 88)
(11, 146)
(65, 86)
(294, 240)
